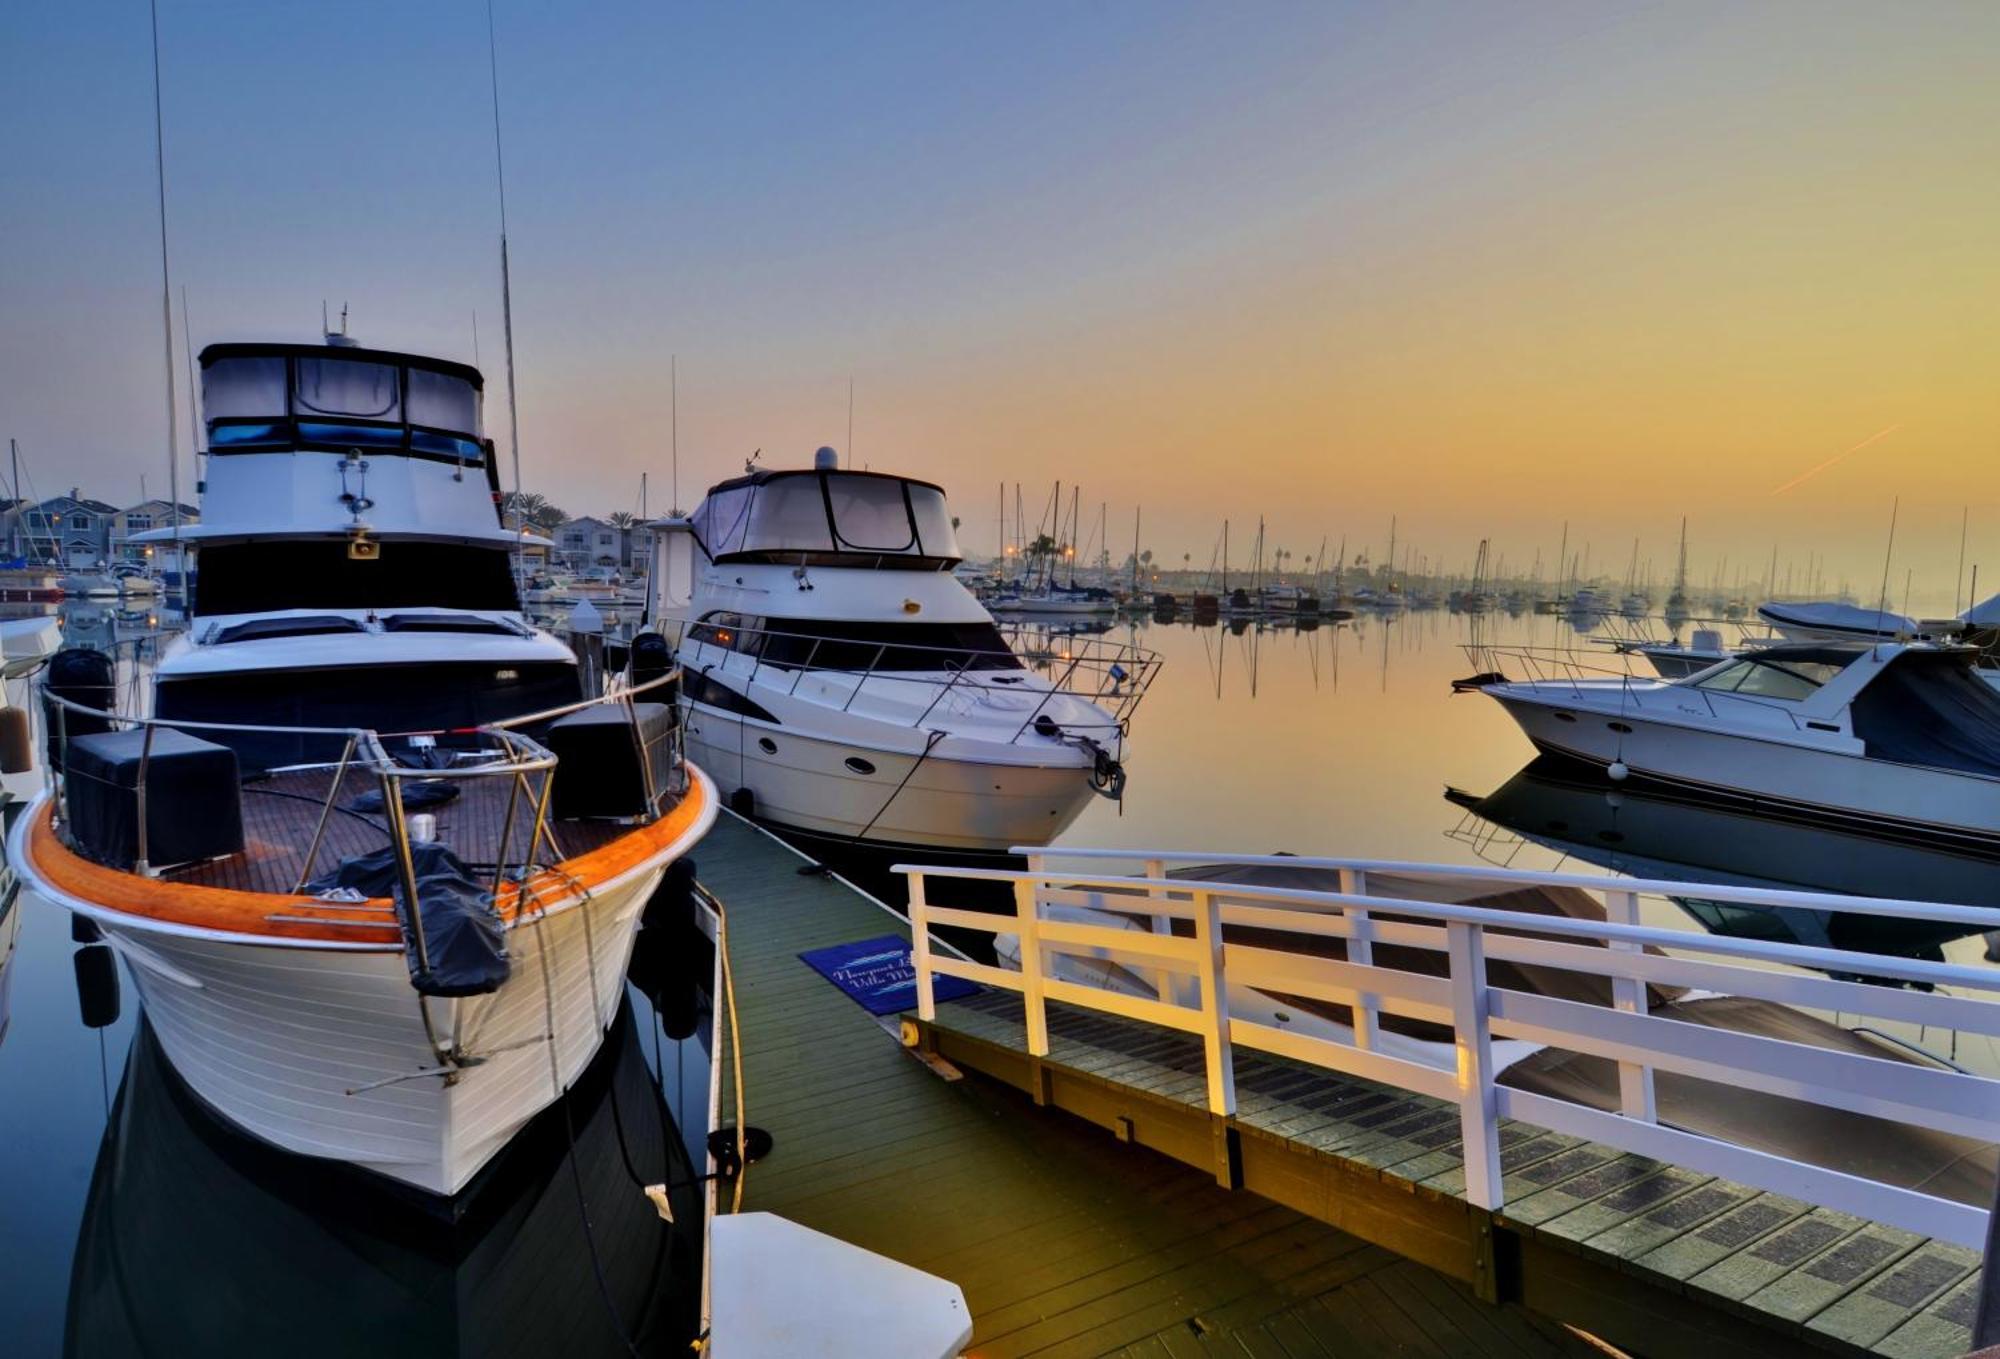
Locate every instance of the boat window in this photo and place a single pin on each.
(1788, 680)
(243, 387)
(935, 536)
(821, 644)
(443, 401)
(870, 513)
(790, 514)
(368, 391)
(720, 521)
(312, 574)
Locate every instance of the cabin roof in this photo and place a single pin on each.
(290, 350)
(762, 476)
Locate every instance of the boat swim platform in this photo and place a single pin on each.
(1064, 1240)
(1650, 1257)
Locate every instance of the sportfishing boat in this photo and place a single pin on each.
(842, 682)
(1902, 736)
(372, 855)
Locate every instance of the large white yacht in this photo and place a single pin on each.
(840, 681)
(1896, 736)
(369, 918)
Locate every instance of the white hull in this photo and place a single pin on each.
(948, 803)
(1830, 782)
(285, 1039)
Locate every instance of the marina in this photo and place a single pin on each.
(627, 790)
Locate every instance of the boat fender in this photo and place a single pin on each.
(17, 743)
(83, 930)
(1618, 771)
(96, 986)
(744, 803)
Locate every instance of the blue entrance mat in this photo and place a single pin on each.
(877, 974)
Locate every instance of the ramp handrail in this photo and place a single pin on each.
(1061, 915)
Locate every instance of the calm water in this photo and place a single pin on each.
(127, 1216)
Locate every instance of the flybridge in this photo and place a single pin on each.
(824, 517)
(262, 398)
(333, 441)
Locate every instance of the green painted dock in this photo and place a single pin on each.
(1066, 1241)
(1650, 1257)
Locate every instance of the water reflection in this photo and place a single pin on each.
(198, 1240)
(1571, 809)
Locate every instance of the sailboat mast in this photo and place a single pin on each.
(1135, 549)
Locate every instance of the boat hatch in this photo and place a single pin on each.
(450, 622)
(263, 629)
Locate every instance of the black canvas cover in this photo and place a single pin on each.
(465, 947)
(1931, 708)
(193, 801)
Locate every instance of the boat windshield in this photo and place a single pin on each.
(845, 644)
(828, 518)
(1772, 677)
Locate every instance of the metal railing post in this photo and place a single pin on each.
(1635, 1081)
(1479, 1127)
(325, 815)
(1214, 1003)
(1361, 952)
(920, 948)
(143, 866)
(1028, 927)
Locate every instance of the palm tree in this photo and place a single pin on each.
(621, 519)
(532, 509)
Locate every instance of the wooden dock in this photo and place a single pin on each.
(1065, 1241)
(1648, 1256)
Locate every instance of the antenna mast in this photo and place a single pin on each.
(167, 304)
(506, 292)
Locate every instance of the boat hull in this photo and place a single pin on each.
(321, 1048)
(1830, 784)
(806, 784)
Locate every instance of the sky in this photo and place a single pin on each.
(1486, 268)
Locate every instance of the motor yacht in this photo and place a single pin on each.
(369, 916)
(841, 681)
(1830, 621)
(1894, 735)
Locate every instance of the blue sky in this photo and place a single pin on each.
(1325, 262)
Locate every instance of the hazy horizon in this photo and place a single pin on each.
(1483, 269)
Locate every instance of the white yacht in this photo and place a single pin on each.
(841, 681)
(369, 917)
(1902, 736)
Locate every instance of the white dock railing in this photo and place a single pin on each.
(1195, 972)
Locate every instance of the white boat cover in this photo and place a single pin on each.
(1827, 616)
(1985, 614)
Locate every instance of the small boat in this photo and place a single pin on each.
(1673, 660)
(843, 683)
(368, 918)
(1827, 621)
(1899, 736)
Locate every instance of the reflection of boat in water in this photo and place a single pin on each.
(1650, 833)
(198, 1240)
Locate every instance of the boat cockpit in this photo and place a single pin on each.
(827, 517)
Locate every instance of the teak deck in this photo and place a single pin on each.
(1064, 1240)
(1647, 1256)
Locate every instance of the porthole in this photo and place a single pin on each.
(767, 745)
(1565, 717)
(859, 765)
(1622, 728)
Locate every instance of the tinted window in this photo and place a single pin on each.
(443, 401)
(259, 577)
(935, 536)
(824, 645)
(240, 387)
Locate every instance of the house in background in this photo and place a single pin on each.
(141, 518)
(71, 531)
(589, 542)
